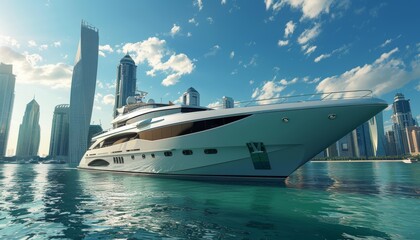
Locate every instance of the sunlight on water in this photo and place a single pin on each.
(319, 201)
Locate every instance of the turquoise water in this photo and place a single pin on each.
(319, 201)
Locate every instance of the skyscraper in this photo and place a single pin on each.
(376, 130)
(59, 141)
(83, 91)
(362, 142)
(7, 95)
(126, 82)
(191, 97)
(29, 132)
(402, 118)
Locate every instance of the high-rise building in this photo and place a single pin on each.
(402, 118)
(362, 142)
(93, 130)
(413, 139)
(390, 146)
(126, 82)
(376, 130)
(59, 141)
(29, 132)
(191, 97)
(83, 91)
(228, 102)
(7, 95)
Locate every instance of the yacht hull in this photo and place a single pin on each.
(271, 142)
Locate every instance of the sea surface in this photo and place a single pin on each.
(368, 200)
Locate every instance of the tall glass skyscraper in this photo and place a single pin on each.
(29, 132)
(7, 95)
(126, 82)
(83, 91)
(402, 118)
(59, 141)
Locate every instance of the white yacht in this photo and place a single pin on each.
(264, 141)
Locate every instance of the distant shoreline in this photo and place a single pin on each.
(368, 160)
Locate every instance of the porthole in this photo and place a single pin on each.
(153, 155)
(332, 116)
(168, 154)
(210, 151)
(285, 119)
(187, 152)
(143, 156)
(132, 157)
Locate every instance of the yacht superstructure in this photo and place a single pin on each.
(264, 141)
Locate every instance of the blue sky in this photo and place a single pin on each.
(242, 49)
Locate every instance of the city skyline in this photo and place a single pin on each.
(244, 50)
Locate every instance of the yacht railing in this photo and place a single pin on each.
(338, 95)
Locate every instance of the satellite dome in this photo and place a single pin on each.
(151, 101)
(131, 100)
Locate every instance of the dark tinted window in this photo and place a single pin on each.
(187, 128)
(187, 152)
(210, 151)
(98, 163)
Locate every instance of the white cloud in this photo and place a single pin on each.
(9, 41)
(175, 30)
(32, 43)
(385, 74)
(213, 51)
(210, 20)
(43, 47)
(223, 2)
(153, 51)
(385, 56)
(170, 80)
(251, 82)
(252, 62)
(321, 57)
(193, 21)
(290, 28)
(270, 89)
(27, 69)
(388, 41)
(108, 99)
(232, 55)
(282, 43)
(106, 48)
(57, 44)
(189, 34)
(199, 4)
(215, 105)
(311, 8)
(343, 49)
(268, 4)
(310, 49)
(309, 34)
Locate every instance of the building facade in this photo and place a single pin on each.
(228, 102)
(126, 82)
(377, 135)
(7, 96)
(191, 97)
(390, 146)
(413, 139)
(93, 131)
(59, 140)
(401, 118)
(29, 132)
(82, 92)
